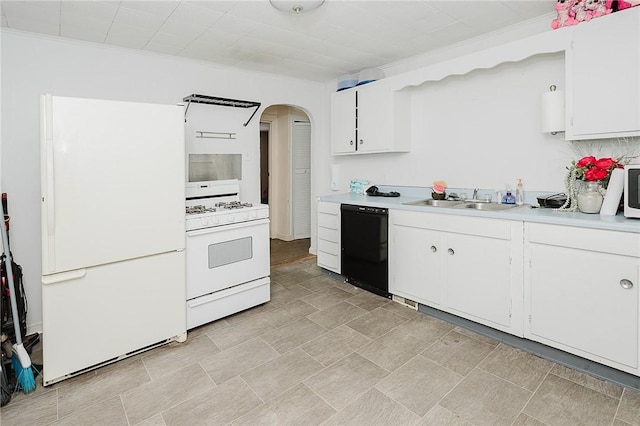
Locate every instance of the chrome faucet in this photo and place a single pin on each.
(475, 194)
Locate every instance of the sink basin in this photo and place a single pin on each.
(475, 204)
(485, 206)
(434, 203)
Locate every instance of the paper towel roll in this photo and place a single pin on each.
(552, 112)
(614, 193)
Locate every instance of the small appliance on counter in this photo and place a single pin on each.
(632, 190)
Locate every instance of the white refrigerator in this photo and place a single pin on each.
(113, 231)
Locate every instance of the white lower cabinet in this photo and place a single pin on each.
(479, 279)
(467, 266)
(415, 262)
(328, 251)
(581, 292)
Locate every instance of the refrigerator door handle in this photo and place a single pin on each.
(47, 184)
(64, 276)
(49, 187)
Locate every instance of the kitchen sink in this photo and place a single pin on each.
(475, 205)
(434, 203)
(485, 206)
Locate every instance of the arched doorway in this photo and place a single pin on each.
(285, 171)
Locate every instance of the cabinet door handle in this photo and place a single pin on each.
(350, 142)
(361, 141)
(451, 252)
(434, 249)
(626, 284)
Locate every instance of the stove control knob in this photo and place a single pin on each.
(254, 214)
(232, 218)
(214, 220)
(244, 217)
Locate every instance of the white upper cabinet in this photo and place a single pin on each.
(603, 78)
(343, 122)
(365, 120)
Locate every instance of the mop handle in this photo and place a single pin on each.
(12, 288)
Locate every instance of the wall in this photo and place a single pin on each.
(476, 130)
(481, 130)
(32, 65)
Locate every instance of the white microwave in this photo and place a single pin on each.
(632, 190)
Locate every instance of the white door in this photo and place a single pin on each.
(478, 277)
(343, 122)
(301, 188)
(415, 264)
(112, 181)
(592, 55)
(109, 311)
(577, 299)
(224, 256)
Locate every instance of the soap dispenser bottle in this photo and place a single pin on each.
(519, 193)
(508, 197)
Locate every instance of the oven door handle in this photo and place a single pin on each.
(227, 227)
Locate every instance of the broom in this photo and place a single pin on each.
(20, 360)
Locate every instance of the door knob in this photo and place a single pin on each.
(626, 284)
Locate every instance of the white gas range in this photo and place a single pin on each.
(228, 262)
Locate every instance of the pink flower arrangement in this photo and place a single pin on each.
(591, 169)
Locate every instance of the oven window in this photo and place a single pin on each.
(228, 252)
(207, 167)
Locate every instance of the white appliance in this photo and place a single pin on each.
(632, 190)
(112, 219)
(228, 261)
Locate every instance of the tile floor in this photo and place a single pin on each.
(324, 352)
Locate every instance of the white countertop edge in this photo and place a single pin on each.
(523, 213)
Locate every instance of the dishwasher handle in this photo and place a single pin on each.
(364, 209)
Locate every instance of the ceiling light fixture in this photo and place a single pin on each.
(296, 6)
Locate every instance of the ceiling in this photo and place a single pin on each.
(340, 37)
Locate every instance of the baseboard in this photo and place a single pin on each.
(34, 328)
(282, 237)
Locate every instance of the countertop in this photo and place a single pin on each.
(525, 213)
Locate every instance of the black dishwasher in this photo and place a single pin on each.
(364, 235)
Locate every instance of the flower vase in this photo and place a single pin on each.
(438, 196)
(589, 197)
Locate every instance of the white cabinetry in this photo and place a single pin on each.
(581, 292)
(415, 260)
(329, 236)
(467, 266)
(343, 122)
(603, 77)
(363, 120)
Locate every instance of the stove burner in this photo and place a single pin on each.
(200, 209)
(233, 205)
